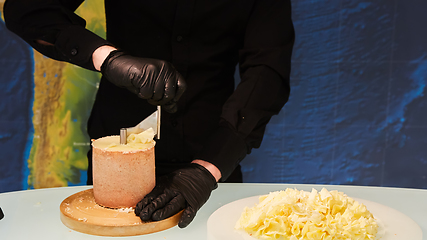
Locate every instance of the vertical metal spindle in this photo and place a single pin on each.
(123, 136)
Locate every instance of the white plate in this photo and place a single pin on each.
(393, 225)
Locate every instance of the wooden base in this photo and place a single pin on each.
(81, 213)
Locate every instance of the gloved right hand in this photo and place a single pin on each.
(188, 187)
(152, 79)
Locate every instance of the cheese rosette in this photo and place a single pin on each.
(141, 140)
(302, 215)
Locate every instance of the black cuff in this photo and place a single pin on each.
(224, 149)
(77, 44)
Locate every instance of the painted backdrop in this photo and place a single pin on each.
(357, 112)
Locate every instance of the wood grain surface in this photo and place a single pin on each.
(81, 213)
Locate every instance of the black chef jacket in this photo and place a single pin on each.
(205, 40)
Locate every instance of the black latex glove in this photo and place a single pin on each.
(188, 188)
(152, 79)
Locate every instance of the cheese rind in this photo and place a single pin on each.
(122, 174)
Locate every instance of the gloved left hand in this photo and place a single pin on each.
(155, 80)
(188, 188)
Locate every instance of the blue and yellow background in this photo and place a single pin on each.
(357, 112)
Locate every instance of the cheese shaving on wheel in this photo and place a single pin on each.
(302, 215)
(134, 141)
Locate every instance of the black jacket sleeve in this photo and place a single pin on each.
(265, 64)
(54, 22)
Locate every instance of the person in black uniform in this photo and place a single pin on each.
(181, 55)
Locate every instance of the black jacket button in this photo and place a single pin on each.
(74, 51)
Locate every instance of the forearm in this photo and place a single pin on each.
(98, 56)
(53, 29)
(265, 64)
(244, 119)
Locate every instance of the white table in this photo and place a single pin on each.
(34, 214)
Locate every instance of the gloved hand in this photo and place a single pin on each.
(152, 79)
(188, 188)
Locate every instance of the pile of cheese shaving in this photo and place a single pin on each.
(301, 215)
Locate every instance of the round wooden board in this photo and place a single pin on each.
(81, 213)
